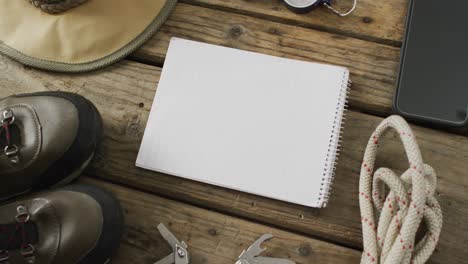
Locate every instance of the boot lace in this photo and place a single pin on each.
(11, 150)
(16, 235)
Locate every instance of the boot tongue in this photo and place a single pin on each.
(42, 229)
(10, 136)
(18, 235)
(22, 137)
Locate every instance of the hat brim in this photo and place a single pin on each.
(88, 37)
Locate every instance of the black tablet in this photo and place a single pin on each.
(433, 77)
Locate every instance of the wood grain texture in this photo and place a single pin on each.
(124, 93)
(212, 238)
(373, 66)
(380, 21)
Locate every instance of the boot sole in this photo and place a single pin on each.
(74, 175)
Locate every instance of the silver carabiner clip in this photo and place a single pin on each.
(304, 6)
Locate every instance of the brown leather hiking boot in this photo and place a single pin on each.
(78, 224)
(46, 139)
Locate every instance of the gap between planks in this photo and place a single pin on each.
(96, 177)
(373, 66)
(124, 92)
(212, 237)
(377, 21)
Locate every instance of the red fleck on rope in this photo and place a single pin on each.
(390, 219)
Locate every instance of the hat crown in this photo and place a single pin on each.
(56, 6)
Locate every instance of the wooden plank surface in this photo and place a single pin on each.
(380, 21)
(212, 238)
(373, 66)
(124, 94)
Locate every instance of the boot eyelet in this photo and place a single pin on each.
(28, 253)
(8, 117)
(4, 256)
(11, 150)
(22, 215)
(27, 250)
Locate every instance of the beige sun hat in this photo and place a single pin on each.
(77, 35)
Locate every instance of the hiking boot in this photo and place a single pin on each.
(77, 224)
(46, 140)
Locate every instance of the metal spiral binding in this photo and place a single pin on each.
(334, 143)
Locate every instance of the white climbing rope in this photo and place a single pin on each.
(392, 207)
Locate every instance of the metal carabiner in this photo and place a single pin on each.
(304, 6)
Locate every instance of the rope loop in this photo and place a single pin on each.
(393, 207)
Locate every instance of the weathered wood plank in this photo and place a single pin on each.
(212, 237)
(373, 66)
(124, 94)
(381, 21)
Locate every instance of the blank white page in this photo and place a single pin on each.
(242, 120)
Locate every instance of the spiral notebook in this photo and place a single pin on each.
(255, 123)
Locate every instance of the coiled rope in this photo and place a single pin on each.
(399, 204)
